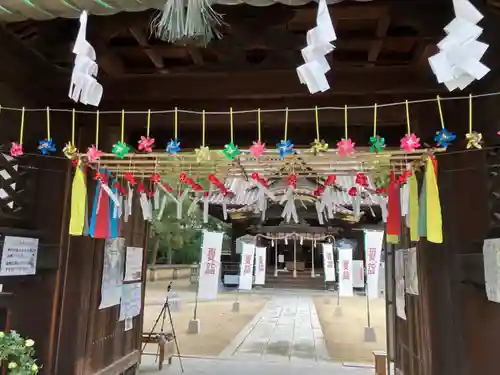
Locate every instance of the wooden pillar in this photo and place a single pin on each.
(275, 258)
(294, 257)
(313, 272)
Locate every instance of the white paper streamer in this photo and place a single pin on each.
(179, 203)
(110, 193)
(163, 204)
(156, 198)
(290, 211)
(145, 206)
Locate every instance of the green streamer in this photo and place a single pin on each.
(104, 4)
(5, 10)
(69, 5)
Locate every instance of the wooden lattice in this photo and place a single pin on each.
(11, 191)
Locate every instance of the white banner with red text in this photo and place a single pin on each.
(260, 265)
(208, 282)
(358, 274)
(345, 271)
(373, 250)
(328, 262)
(246, 266)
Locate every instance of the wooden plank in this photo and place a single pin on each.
(121, 365)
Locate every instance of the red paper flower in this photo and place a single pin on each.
(98, 176)
(257, 149)
(345, 147)
(140, 188)
(410, 142)
(330, 180)
(16, 149)
(292, 180)
(129, 177)
(93, 153)
(361, 179)
(155, 178)
(353, 191)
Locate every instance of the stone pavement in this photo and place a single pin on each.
(287, 329)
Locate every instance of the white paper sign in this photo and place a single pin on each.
(328, 262)
(491, 258)
(19, 256)
(411, 271)
(112, 272)
(133, 264)
(345, 272)
(131, 304)
(246, 266)
(358, 274)
(260, 265)
(208, 283)
(129, 324)
(399, 275)
(373, 250)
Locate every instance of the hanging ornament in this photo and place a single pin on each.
(173, 147)
(377, 143)
(202, 154)
(93, 153)
(258, 148)
(146, 143)
(474, 139)
(231, 151)
(70, 150)
(46, 146)
(16, 148)
(318, 145)
(443, 138)
(345, 146)
(120, 149)
(409, 142)
(285, 147)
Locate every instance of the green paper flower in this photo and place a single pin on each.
(231, 151)
(120, 149)
(377, 143)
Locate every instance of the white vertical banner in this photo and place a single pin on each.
(358, 274)
(373, 250)
(411, 271)
(491, 258)
(399, 276)
(345, 272)
(260, 265)
(211, 248)
(328, 262)
(246, 266)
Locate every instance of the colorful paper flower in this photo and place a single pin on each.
(410, 142)
(345, 147)
(202, 154)
(93, 153)
(474, 140)
(16, 149)
(443, 138)
(377, 143)
(173, 147)
(46, 146)
(319, 146)
(231, 151)
(69, 150)
(120, 149)
(257, 149)
(146, 144)
(285, 147)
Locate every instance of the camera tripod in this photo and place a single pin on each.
(162, 337)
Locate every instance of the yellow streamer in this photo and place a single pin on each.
(73, 122)
(470, 113)
(286, 123)
(345, 122)
(22, 127)
(317, 122)
(123, 125)
(258, 124)
(148, 125)
(231, 122)
(97, 129)
(375, 120)
(48, 123)
(408, 117)
(203, 124)
(440, 112)
(176, 119)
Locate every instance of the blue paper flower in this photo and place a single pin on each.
(443, 138)
(173, 147)
(45, 146)
(285, 147)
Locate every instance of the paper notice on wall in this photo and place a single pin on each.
(328, 262)
(246, 267)
(281, 258)
(491, 259)
(358, 274)
(133, 264)
(399, 276)
(373, 251)
(129, 324)
(345, 271)
(411, 271)
(131, 301)
(260, 265)
(112, 272)
(208, 283)
(19, 256)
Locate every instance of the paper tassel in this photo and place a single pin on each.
(144, 206)
(113, 210)
(120, 207)
(405, 199)
(99, 224)
(130, 199)
(78, 202)
(179, 203)
(224, 210)
(202, 22)
(206, 200)
(413, 214)
(162, 207)
(193, 205)
(169, 25)
(319, 212)
(290, 211)
(156, 198)
(433, 205)
(382, 202)
(394, 212)
(111, 194)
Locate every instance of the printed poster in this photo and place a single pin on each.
(411, 271)
(399, 275)
(260, 265)
(112, 272)
(133, 264)
(345, 271)
(208, 282)
(373, 251)
(246, 267)
(328, 262)
(130, 305)
(19, 256)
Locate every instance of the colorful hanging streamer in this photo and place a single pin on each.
(16, 149)
(473, 138)
(443, 137)
(318, 145)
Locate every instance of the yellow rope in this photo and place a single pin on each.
(123, 125)
(374, 120)
(22, 127)
(148, 125)
(258, 125)
(48, 123)
(286, 124)
(317, 122)
(408, 117)
(97, 129)
(176, 119)
(231, 122)
(470, 113)
(73, 123)
(345, 122)
(440, 112)
(203, 124)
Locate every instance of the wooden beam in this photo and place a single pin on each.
(382, 26)
(266, 84)
(155, 58)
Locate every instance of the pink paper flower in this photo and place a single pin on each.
(257, 149)
(345, 147)
(93, 153)
(16, 149)
(410, 142)
(146, 144)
